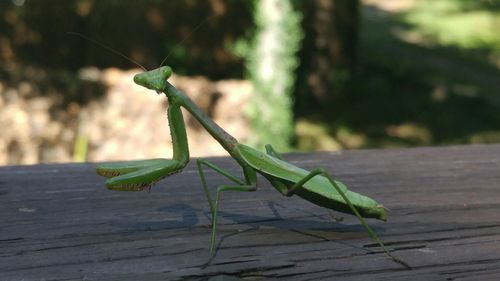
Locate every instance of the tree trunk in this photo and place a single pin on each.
(271, 64)
(334, 25)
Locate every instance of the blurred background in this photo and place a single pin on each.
(302, 75)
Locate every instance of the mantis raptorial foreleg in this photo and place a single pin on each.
(137, 175)
(110, 170)
(140, 174)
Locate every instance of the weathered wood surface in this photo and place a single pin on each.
(58, 222)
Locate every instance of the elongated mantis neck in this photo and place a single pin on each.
(227, 141)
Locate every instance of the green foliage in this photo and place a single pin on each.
(271, 62)
(412, 87)
(467, 24)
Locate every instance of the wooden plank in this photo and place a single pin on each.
(58, 222)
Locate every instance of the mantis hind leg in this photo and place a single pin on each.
(322, 172)
(271, 151)
(248, 185)
(279, 184)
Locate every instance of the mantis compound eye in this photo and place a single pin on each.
(166, 71)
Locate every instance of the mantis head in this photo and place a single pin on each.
(154, 79)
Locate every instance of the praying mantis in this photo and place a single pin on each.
(315, 186)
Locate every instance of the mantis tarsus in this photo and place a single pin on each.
(316, 186)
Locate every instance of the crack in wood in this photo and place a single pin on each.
(11, 239)
(104, 260)
(460, 207)
(431, 240)
(256, 271)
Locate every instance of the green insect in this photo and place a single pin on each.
(316, 186)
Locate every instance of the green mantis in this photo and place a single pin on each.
(316, 186)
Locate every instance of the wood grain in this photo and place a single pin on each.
(58, 222)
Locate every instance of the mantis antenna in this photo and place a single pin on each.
(187, 36)
(200, 24)
(107, 48)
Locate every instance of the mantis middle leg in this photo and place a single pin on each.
(249, 185)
